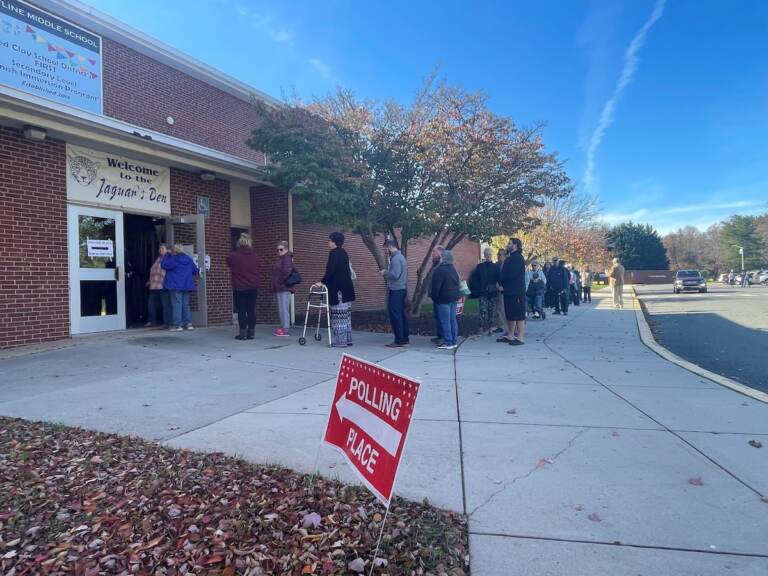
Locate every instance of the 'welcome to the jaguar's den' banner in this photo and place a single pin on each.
(114, 181)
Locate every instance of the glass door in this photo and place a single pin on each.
(96, 270)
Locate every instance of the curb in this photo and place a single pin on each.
(647, 337)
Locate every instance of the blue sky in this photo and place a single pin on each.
(660, 108)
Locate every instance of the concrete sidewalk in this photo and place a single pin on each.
(558, 450)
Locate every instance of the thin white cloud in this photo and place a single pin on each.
(263, 23)
(322, 68)
(609, 108)
(670, 218)
(619, 217)
(707, 207)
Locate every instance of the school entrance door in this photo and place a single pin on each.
(96, 269)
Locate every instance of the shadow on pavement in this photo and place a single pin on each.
(717, 344)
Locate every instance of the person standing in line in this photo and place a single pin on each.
(281, 270)
(501, 318)
(575, 286)
(551, 293)
(586, 284)
(341, 291)
(180, 272)
(616, 279)
(444, 291)
(512, 278)
(244, 266)
(560, 282)
(397, 289)
(547, 292)
(485, 280)
(157, 294)
(437, 254)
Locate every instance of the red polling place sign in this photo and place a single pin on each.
(369, 420)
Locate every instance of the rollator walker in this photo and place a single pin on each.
(318, 298)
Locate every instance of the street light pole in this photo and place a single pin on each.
(741, 251)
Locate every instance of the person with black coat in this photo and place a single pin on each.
(560, 284)
(341, 291)
(513, 281)
(444, 291)
(483, 284)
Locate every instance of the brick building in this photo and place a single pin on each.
(112, 142)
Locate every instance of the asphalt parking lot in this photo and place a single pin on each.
(724, 330)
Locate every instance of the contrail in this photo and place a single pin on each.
(627, 73)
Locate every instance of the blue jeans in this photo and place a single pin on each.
(159, 298)
(536, 302)
(397, 316)
(447, 313)
(438, 324)
(180, 306)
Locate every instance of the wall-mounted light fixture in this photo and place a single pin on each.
(207, 176)
(34, 133)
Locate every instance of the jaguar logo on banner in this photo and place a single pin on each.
(114, 181)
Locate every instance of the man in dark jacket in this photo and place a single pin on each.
(513, 281)
(560, 283)
(444, 291)
(437, 255)
(483, 284)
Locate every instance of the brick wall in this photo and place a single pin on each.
(185, 188)
(269, 225)
(34, 294)
(143, 92)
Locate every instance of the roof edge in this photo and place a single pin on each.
(101, 23)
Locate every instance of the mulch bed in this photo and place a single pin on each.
(83, 503)
(378, 321)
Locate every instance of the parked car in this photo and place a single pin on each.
(600, 278)
(723, 278)
(762, 277)
(689, 280)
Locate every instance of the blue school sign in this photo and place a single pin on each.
(49, 57)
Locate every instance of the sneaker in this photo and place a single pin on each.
(504, 339)
(148, 324)
(283, 333)
(189, 327)
(516, 343)
(277, 332)
(445, 347)
(394, 345)
(498, 330)
(175, 329)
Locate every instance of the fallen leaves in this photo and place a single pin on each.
(755, 444)
(595, 517)
(83, 503)
(696, 481)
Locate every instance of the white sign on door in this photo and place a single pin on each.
(115, 181)
(100, 248)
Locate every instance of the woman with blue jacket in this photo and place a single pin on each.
(180, 272)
